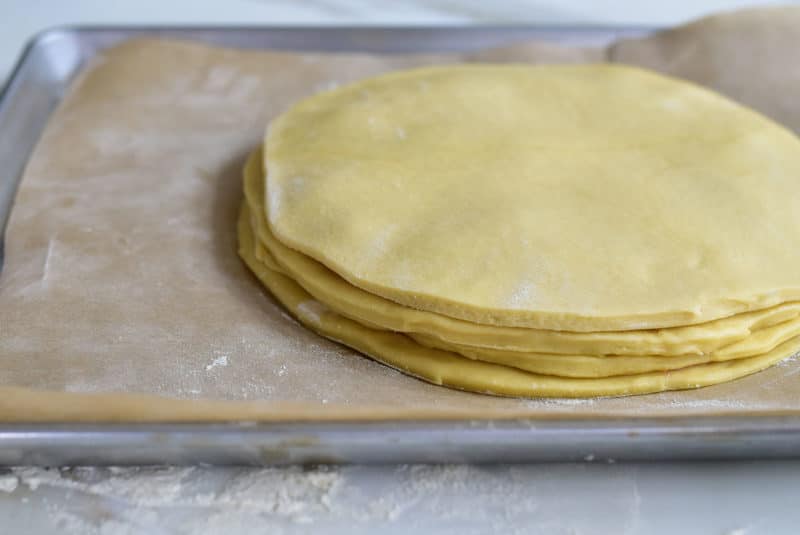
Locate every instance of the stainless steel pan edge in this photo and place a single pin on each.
(401, 442)
(37, 83)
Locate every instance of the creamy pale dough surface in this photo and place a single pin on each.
(578, 198)
(275, 257)
(728, 333)
(453, 370)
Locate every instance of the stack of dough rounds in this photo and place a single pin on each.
(533, 231)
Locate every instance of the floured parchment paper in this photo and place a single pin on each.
(123, 298)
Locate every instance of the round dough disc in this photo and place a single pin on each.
(742, 333)
(579, 198)
(450, 369)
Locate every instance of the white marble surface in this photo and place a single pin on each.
(712, 498)
(587, 499)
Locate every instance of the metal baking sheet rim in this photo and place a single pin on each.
(35, 86)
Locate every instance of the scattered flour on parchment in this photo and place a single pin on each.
(328, 85)
(709, 404)
(569, 402)
(218, 361)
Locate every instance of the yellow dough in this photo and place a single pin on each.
(464, 337)
(611, 365)
(566, 198)
(446, 368)
(533, 231)
(542, 363)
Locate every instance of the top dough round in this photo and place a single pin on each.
(582, 198)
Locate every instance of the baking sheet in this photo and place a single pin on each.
(121, 276)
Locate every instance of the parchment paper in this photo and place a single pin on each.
(121, 272)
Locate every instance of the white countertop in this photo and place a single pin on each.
(591, 498)
(564, 499)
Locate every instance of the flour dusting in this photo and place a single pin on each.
(219, 361)
(708, 404)
(521, 296)
(563, 401)
(8, 483)
(329, 85)
(51, 246)
(136, 495)
(311, 311)
(379, 244)
(274, 201)
(516, 499)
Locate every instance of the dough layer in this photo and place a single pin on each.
(561, 197)
(610, 365)
(465, 337)
(449, 369)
